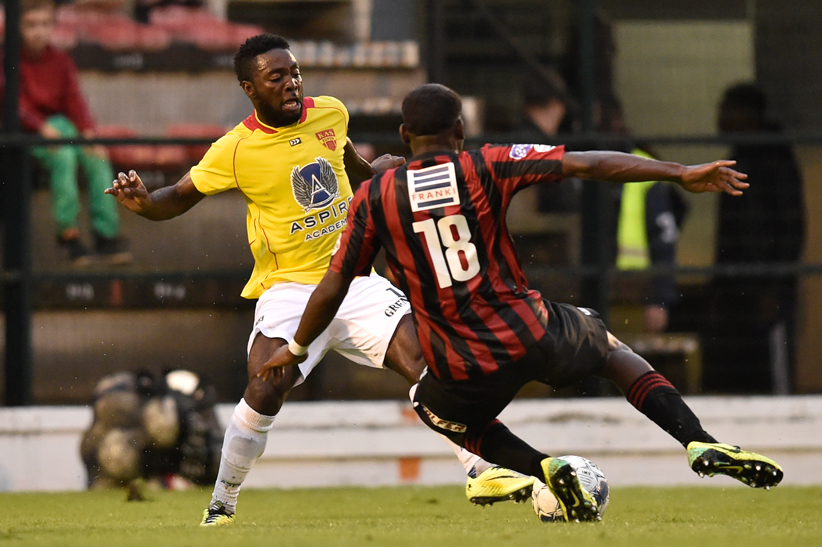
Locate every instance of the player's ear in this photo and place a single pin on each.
(248, 87)
(459, 129)
(405, 136)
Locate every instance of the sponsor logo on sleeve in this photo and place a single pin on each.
(543, 148)
(519, 151)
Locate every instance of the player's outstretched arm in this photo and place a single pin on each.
(318, 314)
(355, 164)
(161, 204)
(716, 176)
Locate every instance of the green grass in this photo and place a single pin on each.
(415, 516)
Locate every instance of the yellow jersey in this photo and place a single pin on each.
(294, 182)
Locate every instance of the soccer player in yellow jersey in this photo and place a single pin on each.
(289, 160)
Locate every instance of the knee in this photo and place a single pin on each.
(267, 397)
(615, 344)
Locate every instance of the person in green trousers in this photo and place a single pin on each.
(52, 105)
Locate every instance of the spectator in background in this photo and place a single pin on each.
(648, 222)
(646, 216)
(548, 112)
(755, 315)
(52, 105)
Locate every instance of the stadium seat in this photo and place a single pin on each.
(168, 157)
(194, 153)
(151, 38)
(202, 28)
(244, 32)
(141, 156)
(124, 156)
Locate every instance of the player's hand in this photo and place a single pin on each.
(273, 368)
(130, 191)
(716, 176)
(386, 162)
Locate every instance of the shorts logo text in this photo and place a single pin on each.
(400, 305)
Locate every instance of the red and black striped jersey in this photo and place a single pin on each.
(441, 220)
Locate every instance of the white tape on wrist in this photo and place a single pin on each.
(296, 349)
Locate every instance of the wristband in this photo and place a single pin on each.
(296, 349)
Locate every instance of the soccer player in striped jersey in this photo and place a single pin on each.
(289, 159)
(483, 332)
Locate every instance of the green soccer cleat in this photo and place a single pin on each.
(498, 484)
(577, 503)
(217, 515)
(747, 467)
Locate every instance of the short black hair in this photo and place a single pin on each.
(430, 109)
(256, 45)
(747, 96)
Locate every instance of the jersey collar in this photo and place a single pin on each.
(253, 122)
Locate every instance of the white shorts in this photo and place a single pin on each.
(360, 331)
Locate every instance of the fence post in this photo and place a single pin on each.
(595, 237)
(17, 229)
(435, 41)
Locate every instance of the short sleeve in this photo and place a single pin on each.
(359, 244)
(215, 172)
(517, 166)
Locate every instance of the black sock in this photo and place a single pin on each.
(655, 397)
(495, 443)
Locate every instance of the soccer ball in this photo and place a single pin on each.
(590, 477)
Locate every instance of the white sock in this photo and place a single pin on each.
(473, 464)
(244, 442)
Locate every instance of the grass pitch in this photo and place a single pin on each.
(414, 516)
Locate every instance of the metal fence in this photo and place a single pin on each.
(178, 305)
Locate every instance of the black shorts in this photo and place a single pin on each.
(574, 347)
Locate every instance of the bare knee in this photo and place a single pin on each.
(615, 344)
(267, 396)
(624, 367)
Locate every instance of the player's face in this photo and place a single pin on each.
(277, 88)
(36, 27)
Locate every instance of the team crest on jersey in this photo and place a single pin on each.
(328, 138)
(315, 185)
